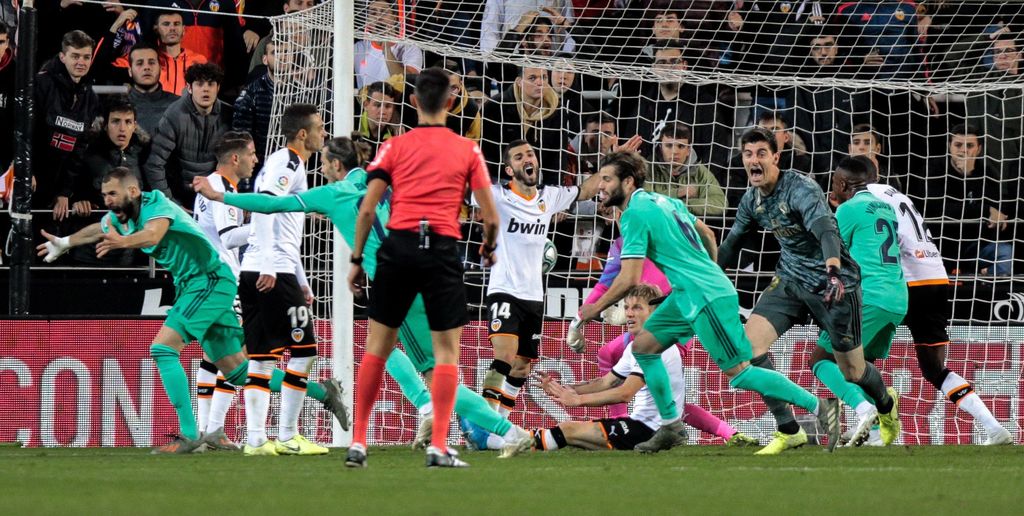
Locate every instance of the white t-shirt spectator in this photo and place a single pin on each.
(370, 64)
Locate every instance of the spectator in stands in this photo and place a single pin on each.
(767, 33)
(65, 109)
(111, 57)
(174, 57)
(504, 16)
(999, 114)
(116, 141)
(182, 145)
(146, 94)
(259, 32)
(464, 115)
(866, 141)
(666, 30)
(379, 60)
(6, 98)
(528, 109)
(255, 102)
(599, 135)
(571, 101)
(378, 122)
(678, 174)
(58, 17)
(973, 204)
(214, 34)
(883, 37)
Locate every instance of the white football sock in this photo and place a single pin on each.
(864, 408)
(426, 410)
(512, 392)
(223, 398)
(205, 383)
(495, 442)
(257, 400)
(293, 395)
(970, 402)
(548, 440)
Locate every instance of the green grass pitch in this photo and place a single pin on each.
(695, 480)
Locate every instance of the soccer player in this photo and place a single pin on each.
(703, 301)
(275, 295)
(929, 309)
(339, 201)
(428, 169)
(867, 226)
(815, 276)
(515, 287)
(205, 287)
(623, 383)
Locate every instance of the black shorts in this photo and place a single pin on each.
(404, 270)
(785, 304)
(513, 317)
(624, 433)
(277, 320)
(928, 312)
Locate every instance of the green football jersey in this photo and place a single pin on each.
(663, 229)
(339, 201)
(184, 250)
(868, 227)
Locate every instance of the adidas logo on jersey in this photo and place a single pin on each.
(527, 228)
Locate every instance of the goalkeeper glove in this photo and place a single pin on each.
(574, 338)
(614, 315)
(834, 289)
(56, 247)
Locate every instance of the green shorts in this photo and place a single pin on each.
(785, 304)
(717, 325)
(415, 336)
(204, 311)
(877, 329)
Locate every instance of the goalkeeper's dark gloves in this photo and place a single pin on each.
(834, 289)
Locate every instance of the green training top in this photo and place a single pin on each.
(339, 201)
(661, 228)
(184, 250)
(868, 226)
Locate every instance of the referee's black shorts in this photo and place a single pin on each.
(404, 270)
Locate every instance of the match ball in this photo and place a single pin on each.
(550, 257)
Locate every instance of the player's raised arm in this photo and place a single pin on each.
(150, 235)
(741, 227)
(56, 246)
(489, 219)
(629, 276)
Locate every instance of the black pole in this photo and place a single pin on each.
(21, 203)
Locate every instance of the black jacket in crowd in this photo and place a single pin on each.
(150, 107)
(85, 172)
(253, 108)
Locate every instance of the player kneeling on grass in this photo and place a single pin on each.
(625, 382)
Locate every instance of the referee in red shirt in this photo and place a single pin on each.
(427, 169)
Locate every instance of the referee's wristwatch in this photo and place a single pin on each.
(356, 260)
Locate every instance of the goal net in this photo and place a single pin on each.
(930, 91)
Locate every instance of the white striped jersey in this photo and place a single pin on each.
(920, 258)
(644, 408)
(223, 224)
(275, 240)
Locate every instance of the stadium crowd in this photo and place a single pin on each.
(190, 75)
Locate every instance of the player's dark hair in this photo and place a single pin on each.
(432, 90)
(352, 152)
(118, 104)
(297, 117)
(76, 39)
(627, 164)
(229, 143)
(144, 45)
(645, 291)
(759, 134)
(206, 72)
(507, 155)
(383, 88)
(771, 116)
(122, 174)
(677, 131)
(859, 169)
(965, 130)
(601, 118)
(867, 128)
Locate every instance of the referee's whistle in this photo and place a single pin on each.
(424, 234)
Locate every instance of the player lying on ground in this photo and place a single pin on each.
(623, 383)
(929, 308)
(815, 277)
(339, 201)
(609, 354)
(205, 288)
(703, 301)
(515, 286)
(867, 227)
(224, 227)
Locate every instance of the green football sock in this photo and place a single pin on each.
(313, 389)
(658, 382)
(830, 375)
(474, 407)
(409, 380)
(175, 383)
(775, 385)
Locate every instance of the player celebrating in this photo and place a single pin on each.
(623, 383)
(339, 201)
(929, 308)
(275, 295)
(515, 289)
(703, 301)
(428, 169)
(205, 287)
(867, 227)
(815, 275)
